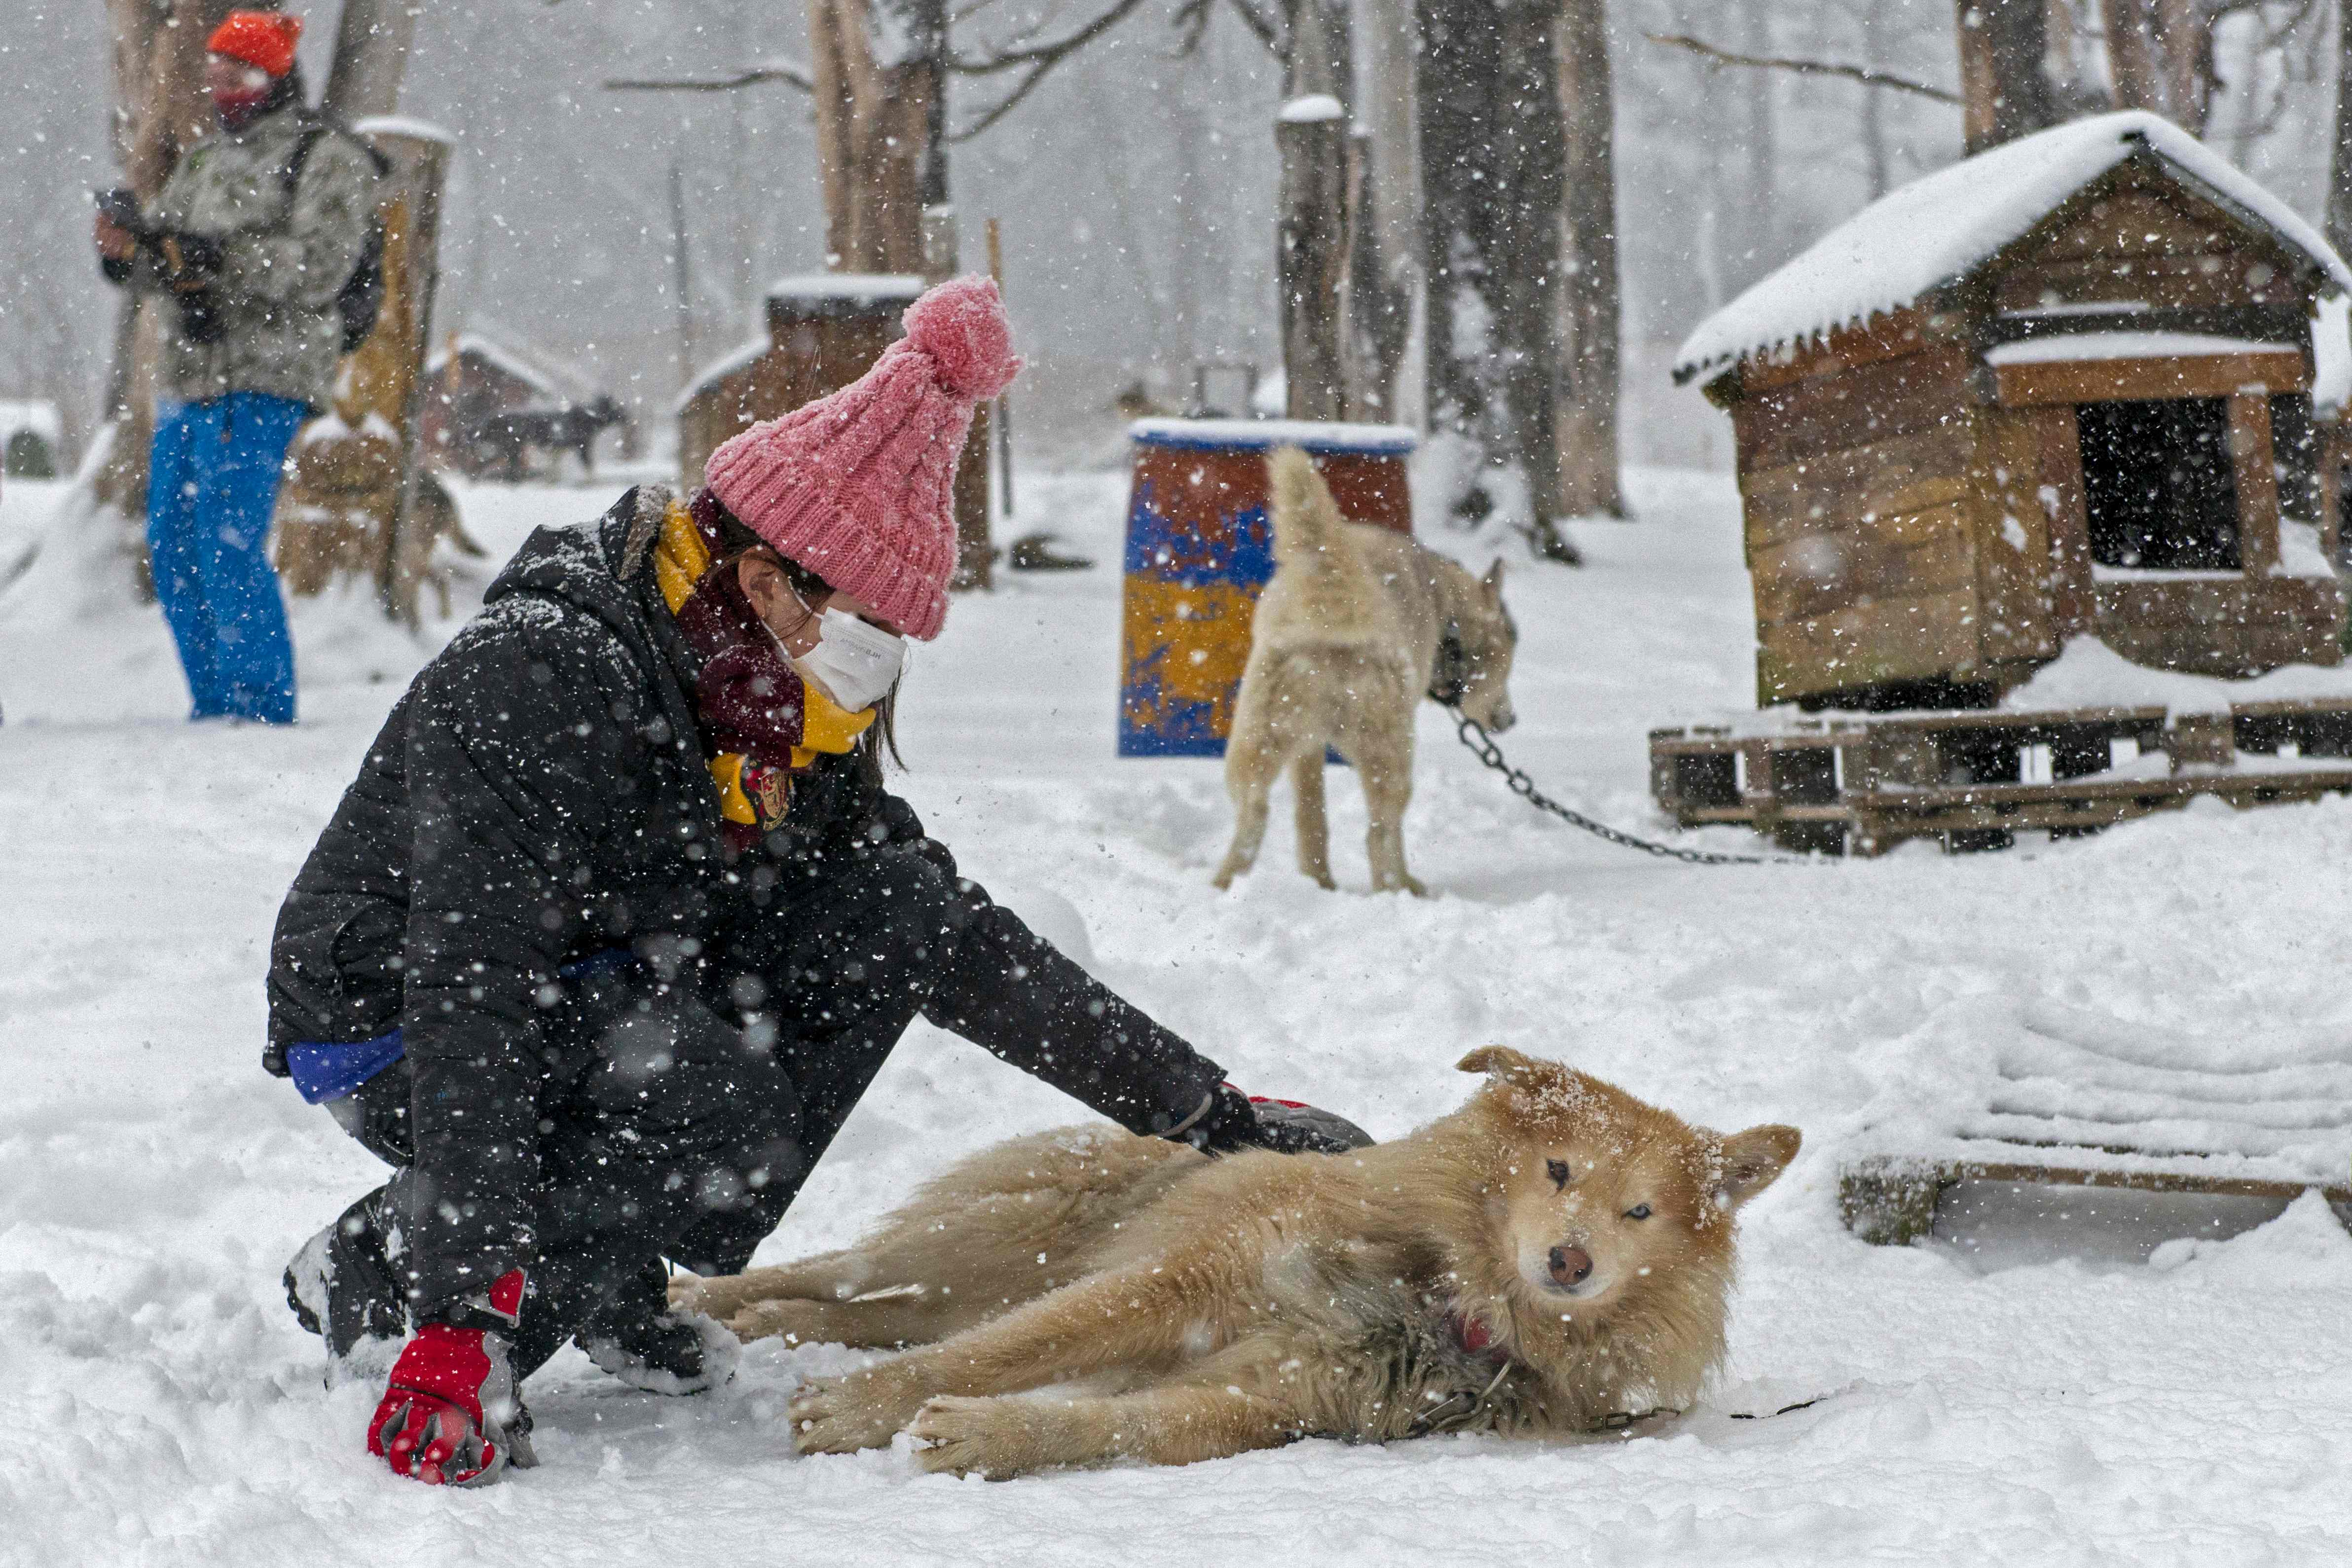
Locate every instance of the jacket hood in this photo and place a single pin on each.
(599, 568)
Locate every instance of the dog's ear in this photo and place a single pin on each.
(1752, 1161)
(1501, 1063)
(1494, 578)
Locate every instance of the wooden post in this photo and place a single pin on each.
(1587, 394)
(2074, 597)
(356, 502)
(1310, 135)
(1002, 413)
(2252, 469)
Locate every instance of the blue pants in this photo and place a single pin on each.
(211, 485)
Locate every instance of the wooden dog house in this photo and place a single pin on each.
(2059, 388)
(823, 332)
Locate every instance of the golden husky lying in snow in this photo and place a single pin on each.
(1552, 1259)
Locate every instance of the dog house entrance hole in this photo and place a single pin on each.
(2158, 485)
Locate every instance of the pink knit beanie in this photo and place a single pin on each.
(857, 486)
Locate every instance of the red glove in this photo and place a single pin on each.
(450, 1417)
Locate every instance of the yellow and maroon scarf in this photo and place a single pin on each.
(761, 722)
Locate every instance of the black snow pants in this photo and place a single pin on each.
(696, 1089)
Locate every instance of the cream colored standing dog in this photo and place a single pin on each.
(1551, 1258)
(1357, 624)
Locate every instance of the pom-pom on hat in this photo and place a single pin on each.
(858, 486)
(263, 38)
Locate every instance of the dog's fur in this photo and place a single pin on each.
(1357, 624)
(1209, 1308)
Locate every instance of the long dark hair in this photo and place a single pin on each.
(737, 540)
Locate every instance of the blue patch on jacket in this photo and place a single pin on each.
(324, 1073)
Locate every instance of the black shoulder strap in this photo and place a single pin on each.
(316, 131)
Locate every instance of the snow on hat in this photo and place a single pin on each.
(858, 486)
(263, 38)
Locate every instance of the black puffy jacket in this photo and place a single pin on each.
(540, 796)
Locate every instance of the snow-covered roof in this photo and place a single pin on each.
(719, 369)
(1936, 229)
(532, 368)
(1310, 109)
(1264, 434)
(38, 415)
(862, 286)
(2126, 346)
(2331, 354)
(404, 125)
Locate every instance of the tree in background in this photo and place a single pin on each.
(1585, 400)
(1494, 172)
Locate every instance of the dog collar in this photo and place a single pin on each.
(1470, 1332)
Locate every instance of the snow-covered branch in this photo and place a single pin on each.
(1862, 74)
(790, 72)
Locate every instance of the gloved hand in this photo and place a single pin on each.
(1235, 1121)
(191, 263)
(450, 1417)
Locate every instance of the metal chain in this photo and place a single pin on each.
(1482, 745)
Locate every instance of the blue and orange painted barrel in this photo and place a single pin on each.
(1199, 549)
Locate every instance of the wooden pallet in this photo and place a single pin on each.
(2075, 1099)
(1861, 784)
(1890, 1201)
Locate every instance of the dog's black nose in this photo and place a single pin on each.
(1571, 1265)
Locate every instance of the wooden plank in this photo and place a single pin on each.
(2252, 467)
(2011, 517)
(1910, 555)
(2166, 282)
(2224, 626)
(2132, 223)
(1890, 639)
(2150, 380)
(1907, 474)
(1876, 403)
(1887, 337)
(2074, 599)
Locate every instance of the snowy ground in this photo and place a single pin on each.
(158, 1404)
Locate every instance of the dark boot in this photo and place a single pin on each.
(340, 1288)
(635, 1337)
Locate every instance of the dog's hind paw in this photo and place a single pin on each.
(972, 1437)
(863, 1410)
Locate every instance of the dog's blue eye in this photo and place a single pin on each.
(1558, 1171)
(1639, 1211)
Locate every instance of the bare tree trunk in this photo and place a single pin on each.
(1493, 161)
(2183, 33)
(371, 44)
(1762, 197)
(877, 67)
(1310, 136)
(1588, 307)
(2133, 62)
(160, 110)
(2004, 91)
(1383, 261)
(1873, 108)
(1310, 252)
(2339, 170)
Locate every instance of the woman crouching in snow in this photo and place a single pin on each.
(617, 922)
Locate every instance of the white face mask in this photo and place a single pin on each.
(854, 662)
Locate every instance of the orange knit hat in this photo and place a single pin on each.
(263, 38)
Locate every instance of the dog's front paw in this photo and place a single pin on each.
(863, 1410)
(974, 1437)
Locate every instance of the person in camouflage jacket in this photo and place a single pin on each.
(249, 242)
